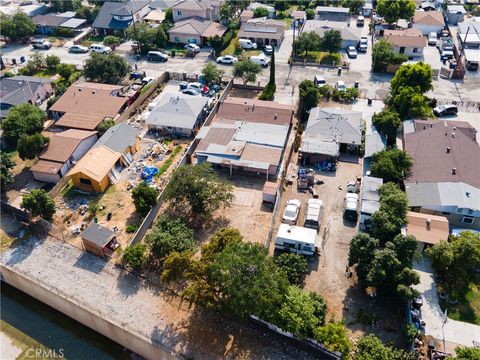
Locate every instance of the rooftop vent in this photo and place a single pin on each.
(453, 135)
(275, 116)
(454, 171)
(448, 150)
(429, 222)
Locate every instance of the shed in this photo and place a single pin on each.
(270, 191)
(99, 240)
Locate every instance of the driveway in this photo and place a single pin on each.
(431, 56)
(453, 331)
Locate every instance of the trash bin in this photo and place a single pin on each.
(356, 84)
(369, 101)
(22, 59)
(339, 70)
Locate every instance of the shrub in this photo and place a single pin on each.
(347, 96)
(134, 256)
(326, 91)
(172, 53)
(131, 228)
(63, 32)
(170, 235)
(268, 93)
(8, 74)
(294, 265)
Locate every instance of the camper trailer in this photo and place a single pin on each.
(296, 239)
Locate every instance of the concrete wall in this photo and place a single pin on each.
(117, 332)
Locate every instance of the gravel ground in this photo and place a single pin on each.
(153, 312)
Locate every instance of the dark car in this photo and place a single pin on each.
(157, 56)
(446, 110)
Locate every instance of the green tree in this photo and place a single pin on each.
(294, 265)
(134, 256)
(87, 13)
(170, 235)
(212, 74)
(226, 13)
(37, 60)
(144, 198)
(309, 97)
(222, 239)
(361, 254)
(331, 41)
(297, 313)
(112, 41)
(260, 12)
(370, 347)
(308, 41)
(410, 103)
(18, 27)
(105, 125)
(39, 203)
(6, 166)
(384, 55)
(392, 165)
(355, 6)
(393, 10)
(65, 70)
(247, 70)
(281, 5)
(334, 336)
(148, 38)
(30, 146)
(52, 61)
(200, 188)
(175, 266)
(387, 123)
(23, 119)
(108, 69)
(466, 353)
(417, 76)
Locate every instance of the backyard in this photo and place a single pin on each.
(468, 306)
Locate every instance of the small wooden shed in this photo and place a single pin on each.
(99, 240)
(270, 190)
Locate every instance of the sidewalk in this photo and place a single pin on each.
(457, 332)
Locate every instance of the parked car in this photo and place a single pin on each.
(432, 38)
(472, 65)
(268, 50)
(192, 47)
(41, 44)
(446, 110)
(360, 21)
(190, 91)
(340, 86)
(313, 214)
(247, 43)
(350, 206)
(362, 45)
(417, 302)
(446, 55)
(100, 48)
(352, 52)
(157, 56)
(227, 60)
(78, 49)
(261, 60)
(195, 86)
(292, 209)
(319, 81)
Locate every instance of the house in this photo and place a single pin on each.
(299, 15)
(99, 240)
(246, 135)
(47, 24)
(18, 90)
(367, 8)
(195, 31)
(350, 35)
(178, 114)
(155, 17)
(410, 42)
(455, 14)
(122, 138)
(203, 9)
(117, 16)
(428, 229)
(469, 35)
(161, 5)
(330, 13)
(99, 168)
(85, 105)
(444, 178)
(256, 5)
(428, 21)
(263, 31)
(370, 200)
(63, 151)
(428, 6)
(30, 8)
(330, 132)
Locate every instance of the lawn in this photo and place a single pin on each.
(468, 307)
(321, 57)
(92, 40)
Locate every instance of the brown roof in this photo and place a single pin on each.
(432, 163)
(86, 104)
(407, 38)
(428, 18)
(62, 145)
(44, 166)
(97, 163)
(427, 228)
(214, 29)
(220, 136)
(298, 14)
(266, 154)
(257, 111)
(246, 15)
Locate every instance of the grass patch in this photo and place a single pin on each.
(168, 162)
(230, 49)
(468, 307)
(321, 57)
(45, 73)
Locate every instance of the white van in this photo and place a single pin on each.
(100, 48)
(261, 60)
(296, 239)
(247, 44)
(313, 214)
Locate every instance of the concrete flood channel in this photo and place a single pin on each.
(30, 324)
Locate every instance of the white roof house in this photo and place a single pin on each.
(370, 196)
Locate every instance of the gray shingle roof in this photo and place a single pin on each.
(105, 20)
(19, 89)
(118, 137)
(98, 234)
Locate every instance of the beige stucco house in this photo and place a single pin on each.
(204, 9)
(195, 31)
(263, 31)
(410, 42)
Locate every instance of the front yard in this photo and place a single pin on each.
(467, 308)
(320, 57)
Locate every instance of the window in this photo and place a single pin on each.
(177, 39)
(179, 13)
(85, 181)
(415, 50)
(468, 220)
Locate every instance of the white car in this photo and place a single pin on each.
(192, 47)
(340, 86)
(352, 52)
(247, 44)
(78, 49)
(227, 60)
(100, 48)
(292, 209)
(363, 44)
(432, 38)
(195, 86)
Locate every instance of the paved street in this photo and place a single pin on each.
(453, 331)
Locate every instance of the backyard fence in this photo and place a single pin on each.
(17, 213)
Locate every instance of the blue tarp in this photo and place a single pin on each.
(148, 173)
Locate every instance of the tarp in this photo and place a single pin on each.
(148, 173)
